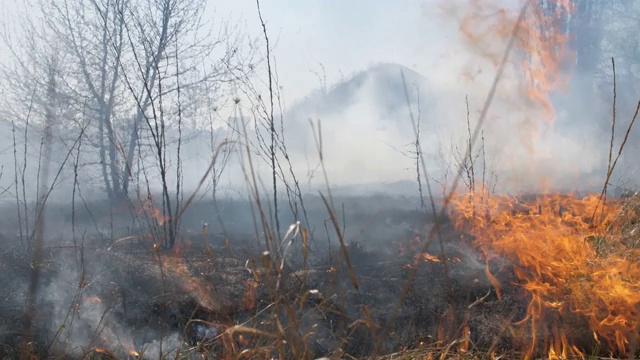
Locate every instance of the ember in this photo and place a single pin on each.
(430, 257)
(94, 300)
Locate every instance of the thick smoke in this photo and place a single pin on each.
(367, 136)
(363, 111)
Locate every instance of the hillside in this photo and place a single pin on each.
(366, 126)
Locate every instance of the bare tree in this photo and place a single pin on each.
(601, 30)
(142, 70)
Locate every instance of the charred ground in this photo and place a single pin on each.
(126, 295)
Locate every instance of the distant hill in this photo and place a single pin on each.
(367, 135)
(381, 84)
(366, 127)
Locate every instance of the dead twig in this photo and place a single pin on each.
(272, 128)
(479, 300)
(611, 166)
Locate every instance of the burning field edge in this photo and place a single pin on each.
(517, 277)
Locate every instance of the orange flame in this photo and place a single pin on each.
(153, 212)
(541, 47)
(249, 300)
(430, 257)
(572, 269)
(204, 291)
(159, 216)
(94, 300)
(545, 48)
(465, 341)
(492, 279)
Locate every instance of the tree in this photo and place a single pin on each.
(135, 68)
(602, 30)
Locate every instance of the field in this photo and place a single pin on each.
(215, 296)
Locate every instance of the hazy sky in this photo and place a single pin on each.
(424, 35)
(344, 36)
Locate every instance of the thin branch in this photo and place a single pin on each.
(272, 129)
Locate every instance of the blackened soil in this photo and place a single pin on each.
(131, 295)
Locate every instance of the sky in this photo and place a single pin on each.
(340, 38)
(343, 36)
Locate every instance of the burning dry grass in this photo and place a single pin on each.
(561, 278)
(565, 270)
(574, 263)
(575, 258)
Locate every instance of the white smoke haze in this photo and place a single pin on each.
(363, 141)
(338, 67)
